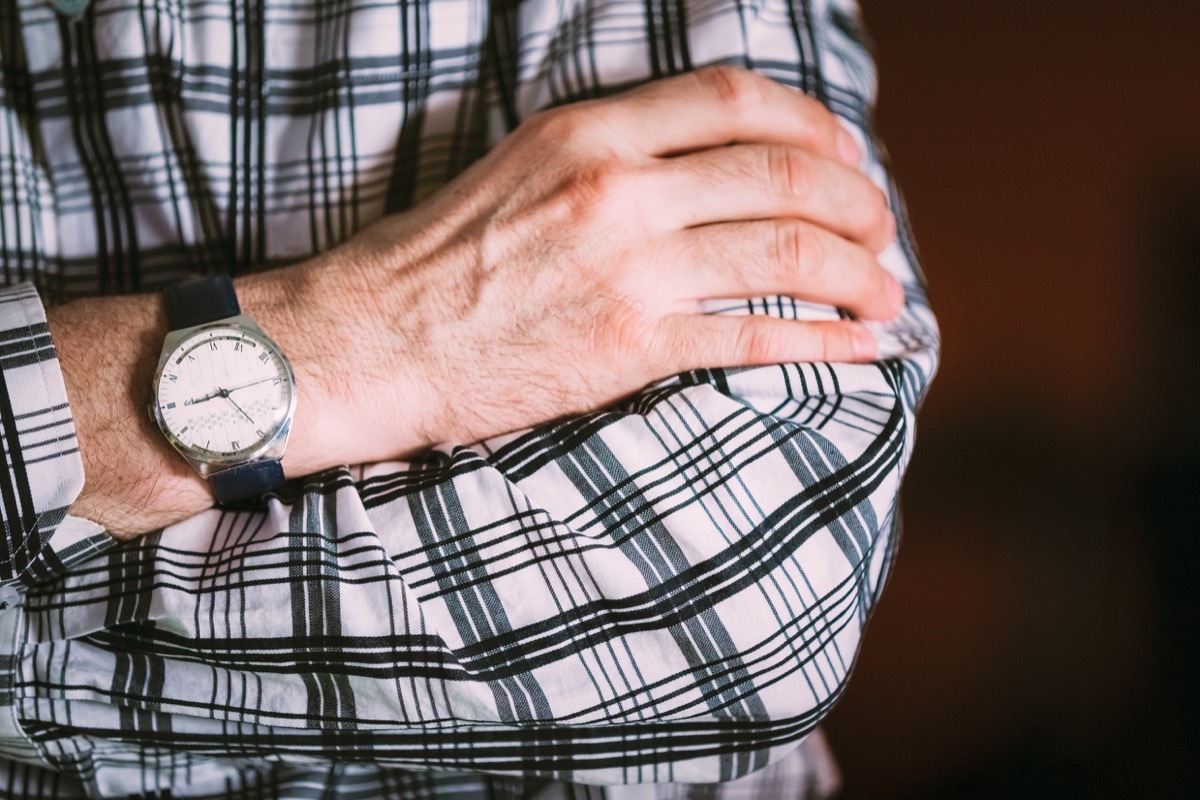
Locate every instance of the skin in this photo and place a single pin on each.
(560, 273)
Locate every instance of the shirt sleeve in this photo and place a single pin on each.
(674, 590)
(43, 472)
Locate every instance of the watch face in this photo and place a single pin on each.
(224, 393)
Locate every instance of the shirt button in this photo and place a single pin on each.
(70, 8)
(9, 598)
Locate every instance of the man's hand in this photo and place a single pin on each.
(560, 273)
(566, 269)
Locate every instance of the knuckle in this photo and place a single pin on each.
(834, 345)
(841, 345)
(555, 125)
(882, 207)
(669, 350)
(789, 172)
(735, 88)
(842, 348)
(877, 211)
(587, 191)
(798, 249)
(759, 344)
(627, 332)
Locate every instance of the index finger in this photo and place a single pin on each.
(721, 105)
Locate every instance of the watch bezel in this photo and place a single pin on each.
(205, 461)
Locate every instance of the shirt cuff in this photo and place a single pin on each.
(42, 472)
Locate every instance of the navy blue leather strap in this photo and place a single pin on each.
(197, 302)
(200, 300)
(247, 480)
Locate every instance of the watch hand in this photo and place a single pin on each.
(251, 383)
(225, 392)
(226, 395)
(209, 396)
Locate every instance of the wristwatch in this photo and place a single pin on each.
(224, 394)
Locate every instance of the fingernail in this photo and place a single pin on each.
(889, 235)
(847, 148)
(865, 344)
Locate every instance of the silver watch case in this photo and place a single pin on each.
(204, 462)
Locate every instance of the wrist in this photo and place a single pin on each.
(353, 405)
(133, 480)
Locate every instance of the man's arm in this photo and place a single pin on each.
(671, 590)
(562, 273)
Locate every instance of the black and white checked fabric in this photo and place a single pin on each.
(665, 594)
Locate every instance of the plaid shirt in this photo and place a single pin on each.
(667, 593)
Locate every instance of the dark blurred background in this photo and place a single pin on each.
(1037, 638)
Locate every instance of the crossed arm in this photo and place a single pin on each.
(562, 273)
(671, 588)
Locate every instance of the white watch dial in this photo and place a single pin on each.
(224, 391)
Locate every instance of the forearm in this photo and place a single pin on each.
(108, 348)
(663, 585)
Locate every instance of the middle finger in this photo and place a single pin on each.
(764, 181)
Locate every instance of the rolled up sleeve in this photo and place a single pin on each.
(43, 473)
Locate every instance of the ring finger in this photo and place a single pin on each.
(785, 257)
